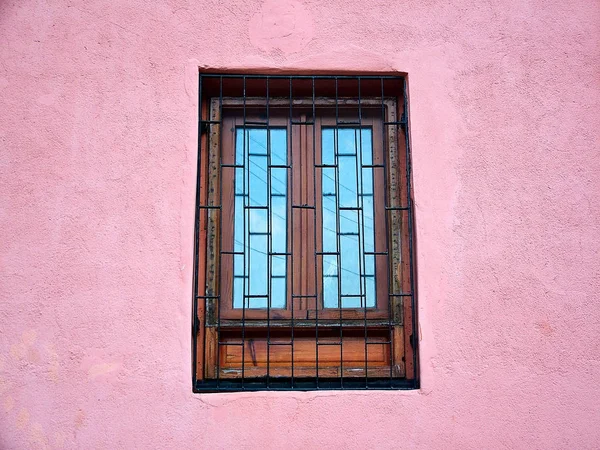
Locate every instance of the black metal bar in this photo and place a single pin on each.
(387, 233)
(269, 241)
(410, 228)
(303, 77)
(359, 200)
(195, 318)
(314, 151)
(304, 384)
(291, 214)
(341, 123)
(221, 223)
(246, 215)
(338, 244)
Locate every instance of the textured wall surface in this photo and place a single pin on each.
(98, 108)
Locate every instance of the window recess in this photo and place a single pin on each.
(304, 234)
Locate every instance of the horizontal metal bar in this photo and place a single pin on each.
(227, 252)
(281, 384)
(301, 123)
(303, 77)
(280, 343)
(234, 166)
(208, 296)
(256, 207)
(303, 296)
(303, 207)
(208, 207)
(326, 166)
(299, 322)
(396, 208)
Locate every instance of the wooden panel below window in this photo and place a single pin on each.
(334, 359)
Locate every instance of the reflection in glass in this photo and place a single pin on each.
(348, 227)
(260, 218)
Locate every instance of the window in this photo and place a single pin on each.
(304, 247)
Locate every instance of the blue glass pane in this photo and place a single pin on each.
(259, 277)
(330, 282)
(348, 218)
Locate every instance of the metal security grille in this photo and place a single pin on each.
(304, 273)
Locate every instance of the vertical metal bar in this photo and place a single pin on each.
(195, 318)
(338, 246)
(291, 202)
(387, 232)
(246, 249)
(410, 229)
(314, 204)
(219, 298)
(361, 231)
(269, 240)
(315, 232)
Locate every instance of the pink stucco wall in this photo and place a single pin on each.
(98, 107)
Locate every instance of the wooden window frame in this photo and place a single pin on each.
(266, 331)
